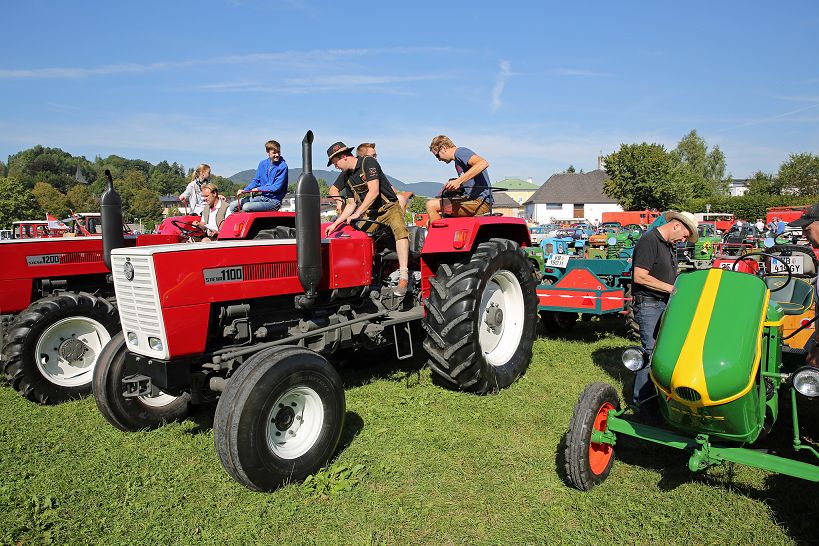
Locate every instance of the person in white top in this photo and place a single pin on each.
(192, 196)
(760, 226)
(214, 213)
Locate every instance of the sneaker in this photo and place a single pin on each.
(401, 289)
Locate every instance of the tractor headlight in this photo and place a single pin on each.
(132, 338)
(155, 343)
(635, 358)
(806, 381)
(612, 240)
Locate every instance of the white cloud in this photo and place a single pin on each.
(500, 84)
(284, 57)
(577, 72)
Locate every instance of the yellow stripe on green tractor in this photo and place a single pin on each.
(710, 342)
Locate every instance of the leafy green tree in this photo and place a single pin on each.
(119, 165)
(39, 164)
(2, 169)
(800, 174)
(571, 169)
(145, 204)
(50, 199)
(707, 168)
(417, 205)
(762, 183)
(80, 199)
(645, 176)
(17, 203)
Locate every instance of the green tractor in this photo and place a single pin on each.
(717, 399)
(699, 255)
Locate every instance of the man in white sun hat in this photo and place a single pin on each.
(655, 270)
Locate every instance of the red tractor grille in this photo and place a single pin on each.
(81, 257)
(257, 272)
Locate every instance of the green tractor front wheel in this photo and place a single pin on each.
(589, 463)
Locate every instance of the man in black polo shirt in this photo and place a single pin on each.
(369, 194)
(655, 270)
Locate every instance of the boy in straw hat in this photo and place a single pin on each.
(369, 195)
(655, 270)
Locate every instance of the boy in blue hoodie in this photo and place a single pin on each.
(268, 187)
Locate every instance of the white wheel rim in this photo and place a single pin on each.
(294, 422)
(500, 324)
(159, 400)
(67, 351)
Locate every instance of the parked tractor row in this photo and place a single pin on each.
(154, 324)
(256, 322)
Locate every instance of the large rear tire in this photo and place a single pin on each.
(588, 463)
(51, 348)
(131, 414)
(632, 326)
(280, 418)
(481, 319)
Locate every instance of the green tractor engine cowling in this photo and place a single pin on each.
(715, 333)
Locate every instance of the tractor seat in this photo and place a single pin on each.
(417, 236)
(795, 298)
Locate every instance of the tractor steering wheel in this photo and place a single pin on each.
(188, 229)
(763, 275)
(358, 221)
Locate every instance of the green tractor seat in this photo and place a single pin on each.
(795, 298)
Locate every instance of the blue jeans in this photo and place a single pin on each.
(256, 203)
(647, 313)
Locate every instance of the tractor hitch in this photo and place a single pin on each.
(136, 385)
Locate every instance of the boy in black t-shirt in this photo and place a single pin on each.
(369, 194)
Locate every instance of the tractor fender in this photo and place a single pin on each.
(463, 234)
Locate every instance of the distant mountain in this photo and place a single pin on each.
(421, 189)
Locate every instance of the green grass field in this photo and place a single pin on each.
(418, 465)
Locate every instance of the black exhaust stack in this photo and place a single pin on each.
(308, 227)
(111, 216)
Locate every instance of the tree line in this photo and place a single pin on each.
(691, 176)
(43, 180)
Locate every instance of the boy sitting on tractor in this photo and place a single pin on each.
(472, 180)
(369, 195)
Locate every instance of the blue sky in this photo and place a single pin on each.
(531, 86)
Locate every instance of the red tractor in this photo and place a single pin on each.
(56, 308)
(256, 324)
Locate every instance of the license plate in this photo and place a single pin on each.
(558, 260)
(781, 263)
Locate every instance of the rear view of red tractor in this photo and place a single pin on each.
(256, 324)
(56, 307)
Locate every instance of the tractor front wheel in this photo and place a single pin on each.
(481, 318)
(280, 418)
(52, 347)
(589, 463)
(131, 414)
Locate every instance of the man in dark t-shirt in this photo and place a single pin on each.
(369, 194)
(655, 270)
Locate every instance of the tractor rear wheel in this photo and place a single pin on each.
(280, 418)
(131, 414)
(589, 463)
(52, 347)
(632, 326)
(481, 319)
